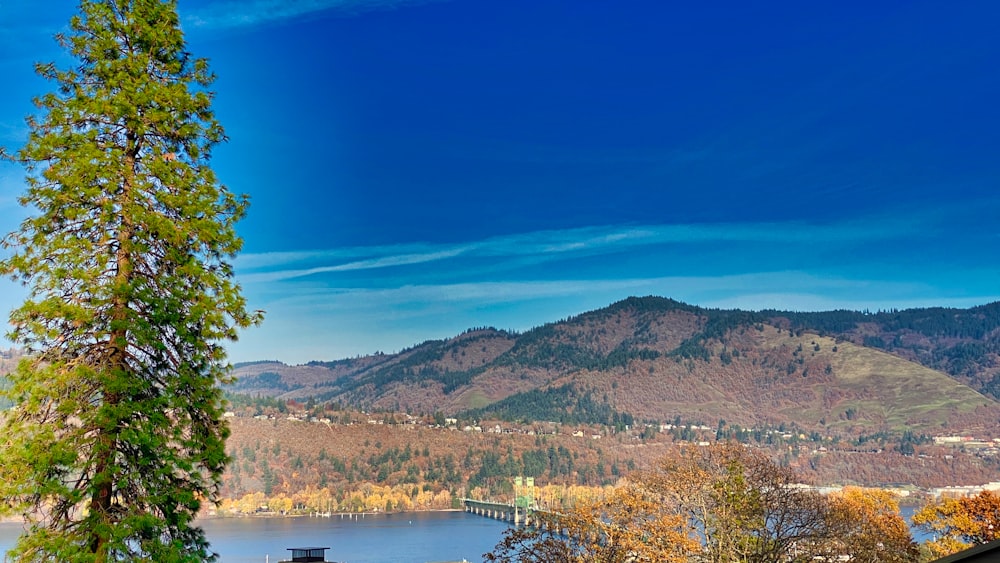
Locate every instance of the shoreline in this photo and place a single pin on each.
(19, 520)
(218, 516)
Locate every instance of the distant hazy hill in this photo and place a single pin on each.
(654, 359)
(8, 360)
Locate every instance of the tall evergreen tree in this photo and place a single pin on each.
(116, 438)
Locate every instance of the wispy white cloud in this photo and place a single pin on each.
(356, 300)
(370, 263)
(546, 245)
(482, 293)
(784, 290)
(241, 13)
(317, 322)
(769, 289)
(794, 301)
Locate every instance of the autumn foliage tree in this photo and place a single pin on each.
(743, 506)
(867, 524)
(631, 524)
(957, 523)
(116, 438)
(723, 504)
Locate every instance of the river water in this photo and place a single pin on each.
(416, 537)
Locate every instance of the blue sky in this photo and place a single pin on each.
(417, 168)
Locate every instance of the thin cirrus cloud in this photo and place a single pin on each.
(242, 14)
(481, 293)
(778, 290)
(813, 301)
(397, 317)
(367, 264)
(342, 321)
(541, 246)
(387, 294)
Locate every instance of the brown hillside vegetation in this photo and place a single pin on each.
(815, 382)
(619, 386)
(281, 456)
(654, 360)
(286, 457)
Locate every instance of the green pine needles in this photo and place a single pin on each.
(117, 439)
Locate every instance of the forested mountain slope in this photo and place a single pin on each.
(654, 359)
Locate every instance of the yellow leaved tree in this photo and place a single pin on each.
(957, 523)
(630, 524)
(724, 503)
(867, 524)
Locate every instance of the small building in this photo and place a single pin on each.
(307, 554)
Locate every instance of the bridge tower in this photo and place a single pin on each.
(524, 498)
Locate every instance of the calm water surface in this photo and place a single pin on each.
(418, 537)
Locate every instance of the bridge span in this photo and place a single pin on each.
(512, 513)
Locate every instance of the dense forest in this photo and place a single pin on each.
(565, 404)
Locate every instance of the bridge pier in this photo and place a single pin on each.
(498, 511)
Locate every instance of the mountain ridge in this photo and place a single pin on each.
(653, 358)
